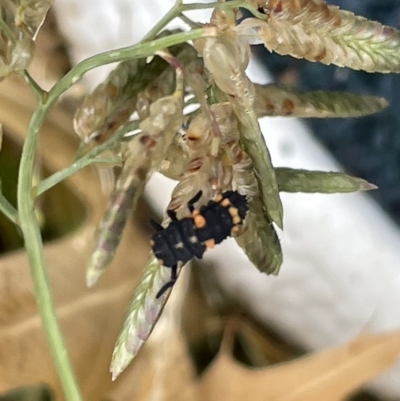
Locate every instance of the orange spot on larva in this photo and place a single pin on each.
(236, 220)
(199, 221)
(233, 211)
(210, 243)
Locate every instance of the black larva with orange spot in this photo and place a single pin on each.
(192, 236)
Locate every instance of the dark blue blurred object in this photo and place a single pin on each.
(367, 147)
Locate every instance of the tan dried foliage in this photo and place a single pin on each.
(330, 375)
(90, 319)
(162, 374)
(165, 370)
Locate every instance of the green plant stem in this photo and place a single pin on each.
(178, 8)
(140, 50)
(225, 6)
(188, 21)
(8, 210)
(7, 31)
(171, 15)
(39, 92)
(87, 159)
(34, 248)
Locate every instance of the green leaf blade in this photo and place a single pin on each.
(272, 100)
(260, 241)
(142, 315)
(308, 181)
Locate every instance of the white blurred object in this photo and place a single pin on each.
(341, 274)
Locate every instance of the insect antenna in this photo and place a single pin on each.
(192, 201)
(170, 283)
(158, 227)
(172, 214)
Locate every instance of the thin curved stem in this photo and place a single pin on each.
(34, 248)
(37, 90)
(86, 160)
(7, 31)
(188, 21)
(8, 209)
(171, 15)
(140, 50)
(225, 6)
(178, 8)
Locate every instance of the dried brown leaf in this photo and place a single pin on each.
(328, 375)
(90, 319)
